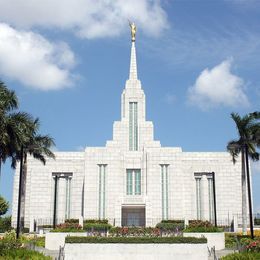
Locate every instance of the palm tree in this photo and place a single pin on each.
(247, 143)
(11, 124)
(37, 146)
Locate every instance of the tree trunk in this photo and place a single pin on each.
(23, 193)
(0, 171)
(244, 200)
(249, 196)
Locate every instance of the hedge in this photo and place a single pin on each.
(136, 240)
(202, 229)
(96, 227)
(201, 226)
(72, 220)
(170, 226)
(96, 221)
(173, 221)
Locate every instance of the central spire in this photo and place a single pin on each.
(133, 66)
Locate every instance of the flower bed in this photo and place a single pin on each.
(68, 227)
(134, 232)
(242, 256)
(136, 240)
(199, 228)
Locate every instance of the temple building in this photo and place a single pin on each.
(132, 180)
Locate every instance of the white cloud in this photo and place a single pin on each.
(218, 87)
(87, 18)
(33, 60)
(170, 98)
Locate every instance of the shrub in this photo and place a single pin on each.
(253, 246)
(72, 220)
(45, 226)
(174, 221)
(230, 241)
(38, 241)
(25, 230)
(242, 256)
(168, 226)
(137, 240)
(9, 241)
(96, 221)
(4, 205)
(22, 253)
(68, 227)
(96, 227)
(134, 232)
(257, 221)
(201, 226)
(5, 224)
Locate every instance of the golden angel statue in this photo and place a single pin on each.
(133, 30)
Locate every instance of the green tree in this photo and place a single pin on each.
(248, 128)
(12, 125)
(4, 205)
(39, 147)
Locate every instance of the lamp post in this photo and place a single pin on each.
(19, 195)
(55, 202)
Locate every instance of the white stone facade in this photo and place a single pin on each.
(132, 176)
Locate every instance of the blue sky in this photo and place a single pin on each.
(68, 61)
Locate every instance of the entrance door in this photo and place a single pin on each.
(133, 216)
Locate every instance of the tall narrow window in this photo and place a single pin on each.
(164, 184)
(102, 191)
(129, 182)
(211, 199)
(133, 181)
(137, 182)
(198, 197)
(133, 126)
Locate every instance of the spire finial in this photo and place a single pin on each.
(133, 30)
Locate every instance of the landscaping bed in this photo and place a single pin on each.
(136, 240)
(138, 248)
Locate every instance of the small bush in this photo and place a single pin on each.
(170, 226)
(68, 227)
(25, 230)
(96, 226)
(72, 220)
(231, 240)
(96, 221)
(22, 253)
(242, 256)
(134, 232)
(137, 240)
(5, 224)
(38, 241)
(257, 221)
(201, 226)
(45, 226)
(173, 221)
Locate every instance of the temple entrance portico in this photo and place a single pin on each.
(133, 215)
